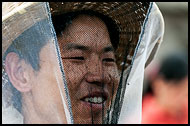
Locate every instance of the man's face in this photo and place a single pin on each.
(41, 90)
(90, 68)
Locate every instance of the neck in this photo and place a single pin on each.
(31, 116)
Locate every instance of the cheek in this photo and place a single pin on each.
(74, 74)
(114, 81)
(44, 81)
(113, 74)
(46, 95)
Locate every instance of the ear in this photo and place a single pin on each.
(17, 71)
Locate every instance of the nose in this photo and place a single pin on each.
(96, 79)
(95, 72)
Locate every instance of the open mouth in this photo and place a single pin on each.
(96, 98)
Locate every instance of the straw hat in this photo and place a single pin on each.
(18, 17)
(129, 17)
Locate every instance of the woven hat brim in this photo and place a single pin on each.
(129, 17)
(18, 17)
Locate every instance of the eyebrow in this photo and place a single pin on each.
(71, 46)
(108, 49)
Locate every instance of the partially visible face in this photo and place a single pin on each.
(172, 95)
(45, 98)
(90, 68)
(178, 95)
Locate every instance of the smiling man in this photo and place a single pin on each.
(89, 63)
(76, 62)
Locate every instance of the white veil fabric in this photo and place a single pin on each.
(150, 39)
(35, 20)
(30, 23)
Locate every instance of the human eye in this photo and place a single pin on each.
(77, 58)
(108, 60)
(74, 58)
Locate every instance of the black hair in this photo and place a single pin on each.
(29, 43)
(62, 21)
(174, 67)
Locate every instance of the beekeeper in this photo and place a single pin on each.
(77, 62)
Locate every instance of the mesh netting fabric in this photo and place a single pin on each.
(124, 22)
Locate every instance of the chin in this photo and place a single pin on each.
(89, 121)
(88, 118)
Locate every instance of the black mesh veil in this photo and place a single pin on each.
(106, 79)
(74, 62)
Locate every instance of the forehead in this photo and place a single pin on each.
(86, 30)
(90, 22)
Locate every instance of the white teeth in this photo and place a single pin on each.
(86, 99)
(91, 100)
(99, 99)
(96, 100)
